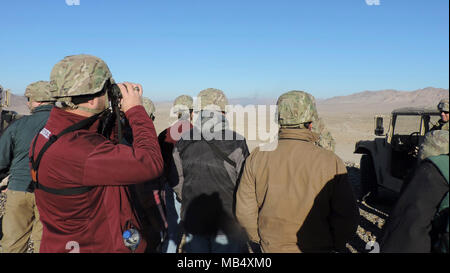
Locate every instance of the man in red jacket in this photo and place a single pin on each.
(82, 177)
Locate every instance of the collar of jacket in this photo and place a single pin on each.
(300, 134)
(62, 119)
(46, 107)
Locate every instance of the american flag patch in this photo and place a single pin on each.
(46, 133)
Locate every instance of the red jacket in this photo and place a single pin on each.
(95, 220)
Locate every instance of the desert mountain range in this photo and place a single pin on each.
(382, 101)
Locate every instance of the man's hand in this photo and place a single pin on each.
(131, 95)
(4, 183)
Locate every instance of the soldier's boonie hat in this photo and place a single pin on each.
(435, 143)
(443, 105)
(212, 99)
(79, 75)
(39, 91)
(295, 108)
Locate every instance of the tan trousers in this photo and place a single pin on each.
(20, 221)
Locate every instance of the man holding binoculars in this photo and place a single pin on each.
(81, 189)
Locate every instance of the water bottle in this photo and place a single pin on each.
(131, 238)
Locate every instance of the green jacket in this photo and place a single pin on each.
(15, 145)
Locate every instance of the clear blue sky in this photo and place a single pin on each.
(246, 48)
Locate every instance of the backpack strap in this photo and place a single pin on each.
(220, 153)
(53, 138)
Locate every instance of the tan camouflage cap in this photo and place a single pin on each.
(295, 108)
(435, 143)
(212, 99)
(443, 105)
(149, 106)
(182, 103)
(39, 91)
(78, 75)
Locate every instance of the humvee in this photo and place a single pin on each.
(6, 117)
(390, 158)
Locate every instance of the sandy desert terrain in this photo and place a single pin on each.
(348, 118)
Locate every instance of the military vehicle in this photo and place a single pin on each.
(6, 117)
(390, 158)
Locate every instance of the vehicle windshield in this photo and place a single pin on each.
(407, 124)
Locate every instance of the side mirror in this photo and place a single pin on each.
(379, 129)
(5, 98)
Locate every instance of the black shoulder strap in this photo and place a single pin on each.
(220, 153)
(35, 164)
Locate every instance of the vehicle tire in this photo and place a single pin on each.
(368, 177)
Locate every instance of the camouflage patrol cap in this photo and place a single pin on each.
(149, 106)
(39, 91)
(79, 75)
(182, 103)
(443, 105)
(435, 143)
(295, 108)
(212, 99)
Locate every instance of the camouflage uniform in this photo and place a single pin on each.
(91, 78)
(211, 99)
(325, 139)
(296, 198)
(39, 91)
(435, 143)
(183, 103)
(149, 107)
(21, 219)
(443, 106)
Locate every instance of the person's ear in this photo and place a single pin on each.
(93, 101)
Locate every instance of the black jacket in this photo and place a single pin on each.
(410, 223)
(205, 182)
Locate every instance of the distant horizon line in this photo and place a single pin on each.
(267, 98)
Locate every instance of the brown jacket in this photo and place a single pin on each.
(296, 198)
